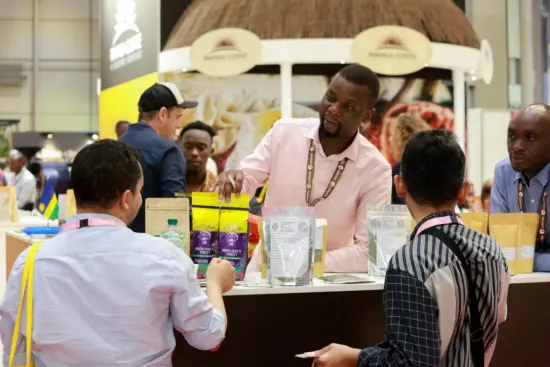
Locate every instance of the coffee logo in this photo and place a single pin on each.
(226, 52)
(126, 46)
(231, 239)
(392, 50)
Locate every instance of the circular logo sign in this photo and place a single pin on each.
(486, 66)
(392, 50)
(226, 52)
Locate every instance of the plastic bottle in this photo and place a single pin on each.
(173, 234)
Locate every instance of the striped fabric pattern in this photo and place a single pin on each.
(426, 300)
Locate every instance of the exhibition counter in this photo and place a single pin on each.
(268, 326)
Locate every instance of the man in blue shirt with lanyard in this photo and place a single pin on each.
(105, 295)
(521, 181)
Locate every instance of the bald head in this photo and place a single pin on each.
(529, 139)
(537, 109)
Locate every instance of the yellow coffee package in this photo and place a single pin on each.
(320, 248)
(233, 233)
(476, 221)
(70, 209)
(263, 254)
(205, 222)
(516, 234)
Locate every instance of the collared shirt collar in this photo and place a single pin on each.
(542, 177)
(81, 216)
(453, 215)
(142, 124)
(352, 152)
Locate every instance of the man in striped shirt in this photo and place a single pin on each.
(426, 297)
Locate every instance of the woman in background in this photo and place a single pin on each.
(404, 127)
(486, 195)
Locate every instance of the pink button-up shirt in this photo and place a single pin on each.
(282, 156)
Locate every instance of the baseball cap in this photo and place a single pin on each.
(163, 95)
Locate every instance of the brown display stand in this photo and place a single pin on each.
(268, 330)
(15, 245)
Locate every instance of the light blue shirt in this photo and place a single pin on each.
(106, 296)
(504, 199)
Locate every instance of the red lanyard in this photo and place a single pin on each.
(542, 211)
(92, 222)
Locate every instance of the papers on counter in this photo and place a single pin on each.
(345, 279)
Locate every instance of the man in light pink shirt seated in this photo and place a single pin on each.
(323, 163)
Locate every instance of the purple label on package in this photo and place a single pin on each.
(203, 247)
(233, 247)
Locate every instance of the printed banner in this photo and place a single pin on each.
(130, 40)
(243, 108)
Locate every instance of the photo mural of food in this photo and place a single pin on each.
(243, 108)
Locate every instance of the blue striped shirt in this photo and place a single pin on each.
(426, 300)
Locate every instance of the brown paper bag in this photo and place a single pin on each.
(320, 248)
(70, 204)
(263, 260)
(477, 221)
(159, 210)
(516, 234)
(8, 204)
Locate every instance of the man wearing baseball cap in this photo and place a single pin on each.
(160, 108)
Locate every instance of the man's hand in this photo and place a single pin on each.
(336, 355)
(229, 182)
(222, 274)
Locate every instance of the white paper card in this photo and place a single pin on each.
(289, 248)
(509, 253)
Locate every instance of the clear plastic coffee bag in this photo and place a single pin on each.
(289, 235)
(388, 228)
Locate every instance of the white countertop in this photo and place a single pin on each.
(254, 285)
(257, 286)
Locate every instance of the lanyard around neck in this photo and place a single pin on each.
(541, 230)
(310, 173)
(92, 222)
(437, 221)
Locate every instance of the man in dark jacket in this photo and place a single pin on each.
(160, 107)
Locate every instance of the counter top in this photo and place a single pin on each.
(257, 286)
(254, 285)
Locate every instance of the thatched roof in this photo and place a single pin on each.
(440, 20)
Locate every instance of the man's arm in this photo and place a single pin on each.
(499, 203)
(172, 180)
(355, 258)
(200, 318)
(412, 336)
(8, 312)
(257, 166)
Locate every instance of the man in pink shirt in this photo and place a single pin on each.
(324, 163)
